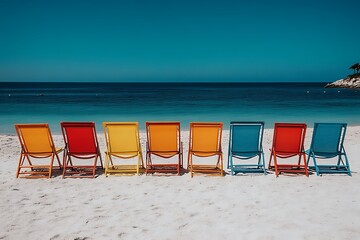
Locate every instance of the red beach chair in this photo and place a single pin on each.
(288, 142)
(81, 144)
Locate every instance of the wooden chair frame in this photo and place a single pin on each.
(300, 152)
(202, 168)
(150, 151)
(336, 140)
(36, 171)
(80, 171)
(110, 167)
(255, 151)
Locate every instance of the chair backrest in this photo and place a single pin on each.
(328, 137)
(122, 137)
(80, 137)
(35, 138)
(289, 137)
(163, 136)
(246, 137)
(205, 138)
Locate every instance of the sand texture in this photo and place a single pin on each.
(246, 206)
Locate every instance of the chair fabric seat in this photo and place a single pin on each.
(245, 144)
(205, 141)
(122, 144)
(328, 143)
(163, 142)
(36, 143)
(288, 142)
(81, 143)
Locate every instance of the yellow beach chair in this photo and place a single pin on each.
(205, 141)
(164, 141)
(122, 141)
(36, 143)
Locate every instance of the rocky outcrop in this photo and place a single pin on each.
(349, 82)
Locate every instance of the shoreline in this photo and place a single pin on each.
(351, 132)
(99, 129)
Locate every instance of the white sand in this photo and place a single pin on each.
(251, 206)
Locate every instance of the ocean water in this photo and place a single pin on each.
(185, 102)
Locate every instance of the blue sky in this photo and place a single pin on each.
(187, 40)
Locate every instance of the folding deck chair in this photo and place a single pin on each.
(205, 141)
(288, 142)
(327, 142)
(245, 143)
(36, 143)
(122, 141)
(163, 140)
(81, 145)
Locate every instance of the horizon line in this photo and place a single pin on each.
(165, 82)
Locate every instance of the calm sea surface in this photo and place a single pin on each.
(186, 102)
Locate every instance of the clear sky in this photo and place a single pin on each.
(179, 40)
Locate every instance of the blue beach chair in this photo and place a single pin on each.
(327, 142)
(245, 143)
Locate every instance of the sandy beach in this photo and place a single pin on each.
(249, 206)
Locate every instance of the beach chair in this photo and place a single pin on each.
(81, 145)
(205, 141)
(36, 143)
(163, 140)
(326, 144)
(122, 141)
(245, 143)
(288, 142)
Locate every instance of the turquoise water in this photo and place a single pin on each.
(270, 102)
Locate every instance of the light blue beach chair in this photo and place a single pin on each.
(327, 142)
(245, 143)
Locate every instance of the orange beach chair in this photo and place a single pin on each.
(163, 140)
(36, 143)
(205, 141)
(288, 142)
(81, 144)
(122, 141)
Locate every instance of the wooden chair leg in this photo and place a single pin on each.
(50, 165)
(21, 162)
(221, 166)
(191, 165)
(306, 167)
(276, 166)
(269, 165)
